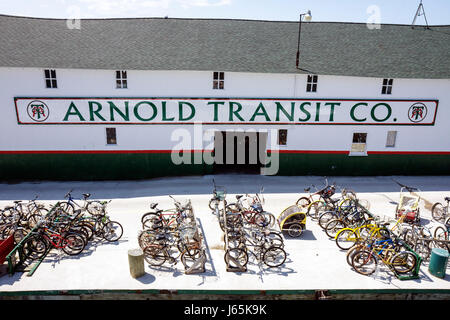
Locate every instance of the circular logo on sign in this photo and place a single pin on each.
(38, 111)
(417, 112)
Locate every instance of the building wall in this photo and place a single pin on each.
(80, 151)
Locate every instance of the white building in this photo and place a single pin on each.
(112, 99)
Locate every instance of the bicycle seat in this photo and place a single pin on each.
(307, 189)
(153, 205)
(17, 201)
(239, 196)
(447, 199)
(86, 195)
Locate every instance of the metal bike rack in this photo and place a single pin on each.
(414, 273)
(195, 237)
(236, 267)
(18, 249)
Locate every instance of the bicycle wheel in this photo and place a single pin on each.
(274, 257)
(67, 207)
(40, 211)
(441, 233)
(74, 244)
(19, 234)
(270, 218)
(154, 255)
(346, 238)
(112, 231)
(351, 252)
(236, 258)
(35, 247)
(273, 239)
(261, 220)
(404, 262)
(333, 227)
(423, 249)
(438, 211)
(315, 209)
(409, 238)
(95, 208)
(149, 219)
(364, 262)
(325, 217)
(88, 228)
(303, 202)
(295, 230)
(189, 260)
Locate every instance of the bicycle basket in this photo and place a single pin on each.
(220, 193)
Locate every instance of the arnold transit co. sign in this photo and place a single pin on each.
(224, 111)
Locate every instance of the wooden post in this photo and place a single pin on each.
(136, 262)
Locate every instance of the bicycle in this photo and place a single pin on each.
(440, 212)
(40, 241)
(268, 249)
(324, 201)
(441, 235)
(346, 238)
(219, 194)
(252, 214)
(365, 261)
(94, 207)
(416, 237)
(160, 251)
(105, 228)
(341, 211)
(353, 219)
(169, 218)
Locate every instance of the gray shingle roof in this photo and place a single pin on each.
(329, 48)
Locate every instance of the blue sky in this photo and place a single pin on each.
(389, 11)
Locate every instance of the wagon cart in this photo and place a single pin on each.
(292, 220)
(408, 205)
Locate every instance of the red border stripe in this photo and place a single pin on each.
(200, 150)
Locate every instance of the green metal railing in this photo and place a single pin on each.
(12, 265)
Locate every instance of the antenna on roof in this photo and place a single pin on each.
(420, 11)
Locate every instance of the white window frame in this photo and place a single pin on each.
(218, 80)
(106, 136)
(312, 82)
(50, 78)
(358, 148)
(121, 79)
(387, 85)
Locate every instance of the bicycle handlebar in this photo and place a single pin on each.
(68, 193)
(410, 189)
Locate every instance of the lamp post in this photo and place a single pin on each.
(308, 17)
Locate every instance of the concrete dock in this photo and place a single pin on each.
(314, 262)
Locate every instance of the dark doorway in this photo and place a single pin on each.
(237, 151)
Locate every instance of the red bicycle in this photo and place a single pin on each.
(42, 240)
(169, 218)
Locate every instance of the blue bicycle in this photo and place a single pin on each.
(94, 207)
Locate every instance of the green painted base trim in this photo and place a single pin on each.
(126, 166)
(94, 166)
(374, 164)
